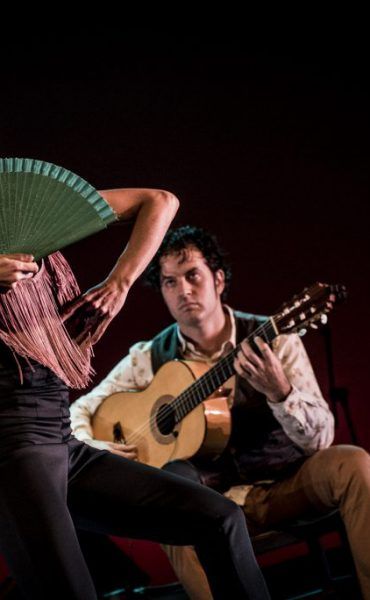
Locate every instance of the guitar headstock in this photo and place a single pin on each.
(308, 309)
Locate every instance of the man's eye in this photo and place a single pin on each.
(169, 283)
(194, 276)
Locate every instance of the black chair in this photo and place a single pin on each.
(319, 580)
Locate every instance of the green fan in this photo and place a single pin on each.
(44, 208)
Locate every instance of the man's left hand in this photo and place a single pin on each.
(265, 372)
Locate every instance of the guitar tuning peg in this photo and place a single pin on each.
(313, 326)
(302, 332)
(324, 319)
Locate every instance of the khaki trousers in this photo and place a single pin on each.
(337, 477)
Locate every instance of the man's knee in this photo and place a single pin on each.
(346, 464)
(355, 462)
(352, 459)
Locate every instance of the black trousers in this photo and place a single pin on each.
(50, 483)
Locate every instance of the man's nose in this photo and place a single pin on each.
(184, 287)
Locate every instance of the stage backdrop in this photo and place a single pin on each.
(266, 146)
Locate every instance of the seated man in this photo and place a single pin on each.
(282, 428)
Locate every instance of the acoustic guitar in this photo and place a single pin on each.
(185, 411)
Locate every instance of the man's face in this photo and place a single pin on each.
(191, 291)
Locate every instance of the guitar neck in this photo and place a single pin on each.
(217, 375)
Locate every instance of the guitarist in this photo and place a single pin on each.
(279, 455)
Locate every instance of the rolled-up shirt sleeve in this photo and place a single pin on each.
(304, 415)
(133, 372)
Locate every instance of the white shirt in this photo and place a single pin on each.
(304, 415)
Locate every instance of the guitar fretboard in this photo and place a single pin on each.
(216, 376)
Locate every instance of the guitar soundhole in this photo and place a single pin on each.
(165, 419)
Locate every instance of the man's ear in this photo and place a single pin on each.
(220, 281)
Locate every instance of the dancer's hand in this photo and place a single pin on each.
(88, 317)
(15, 267)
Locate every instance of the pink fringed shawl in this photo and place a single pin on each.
(31, 325)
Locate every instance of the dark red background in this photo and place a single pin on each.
(265, 145)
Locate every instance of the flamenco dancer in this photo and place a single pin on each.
(51, 482)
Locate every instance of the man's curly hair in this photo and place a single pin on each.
(178, 240)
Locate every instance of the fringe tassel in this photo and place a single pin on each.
(31, 326)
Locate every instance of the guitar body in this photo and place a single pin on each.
(142, 417)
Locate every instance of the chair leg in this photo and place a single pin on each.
(321, 564)
(351, 565)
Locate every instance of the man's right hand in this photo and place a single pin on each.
(125, 450)
(15, 267)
